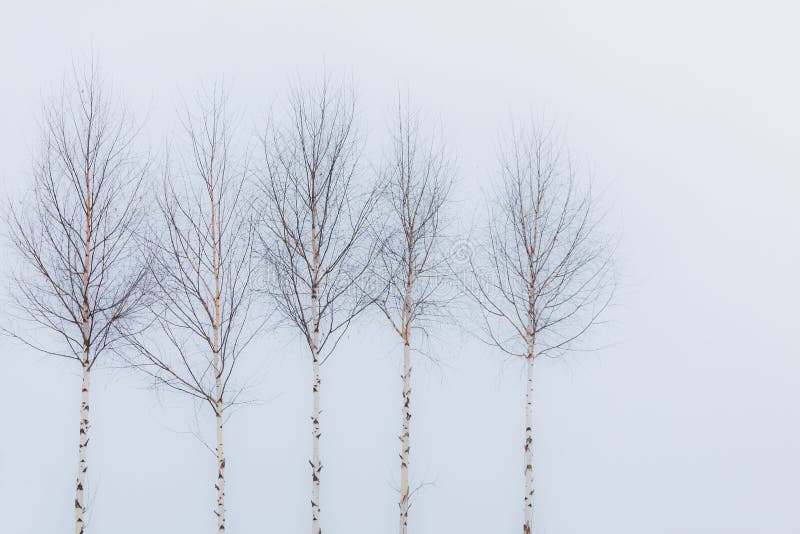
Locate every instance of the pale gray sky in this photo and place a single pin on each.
(685, 112)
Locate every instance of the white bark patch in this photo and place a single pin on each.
(316, 465)
(220, 485)
(528, 524)
(80, 484)
(405, 434)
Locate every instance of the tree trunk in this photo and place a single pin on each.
(220, 486)
(528, 524)
(316, 466)
(405, 447)
(216, 363)
(80, 505)
(80, 484)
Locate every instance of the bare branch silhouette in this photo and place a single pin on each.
(545, 276)
(82, 277)
(203, 271)
(315, 220)
(411, 264)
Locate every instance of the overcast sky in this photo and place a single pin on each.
(685, 113)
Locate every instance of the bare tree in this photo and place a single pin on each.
(82, 276)
(203, 272)
(314, 221)
(546, 275)
(412, 265)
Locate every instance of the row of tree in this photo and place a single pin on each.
(178, 283)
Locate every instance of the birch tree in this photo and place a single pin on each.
(203, 273)
(315, 219)
(81, 276)
(545, 276)
(412, 263)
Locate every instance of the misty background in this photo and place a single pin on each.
(684, 113)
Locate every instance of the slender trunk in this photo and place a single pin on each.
(220, 486)
(528, 525)
(86, 362)
(80, 484)
(405, 433)
(316, 466)
(217, 363)
(405, 447)
(531, 336)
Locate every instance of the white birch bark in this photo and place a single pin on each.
(528, 510)
(220, 486)
(316, 466)
(80, 484)
(80, 504)
(405, 435)
(530, 247)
